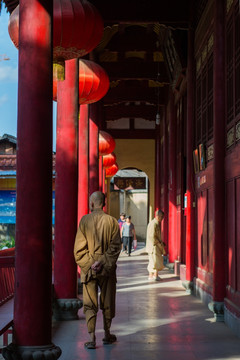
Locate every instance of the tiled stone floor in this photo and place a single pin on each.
(154, 320)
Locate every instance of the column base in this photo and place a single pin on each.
(48, 352)
(177, 267)
(188, 285)
(66, 309)
(217, 307)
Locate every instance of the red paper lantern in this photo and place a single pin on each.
(111, 171)
(93, 82)
(106, 143)
(109, 160)
(77, 29)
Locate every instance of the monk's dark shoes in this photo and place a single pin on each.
(109, 339)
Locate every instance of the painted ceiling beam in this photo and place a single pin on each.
(147, 112)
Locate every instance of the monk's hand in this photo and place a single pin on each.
(97, 266)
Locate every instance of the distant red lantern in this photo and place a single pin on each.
(106, 143)
(93, 82)
(77, 29)
(111, 171)
(109, 160)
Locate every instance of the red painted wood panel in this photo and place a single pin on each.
(179, 232)
(232, 163)
(230, 232)
(206, 278)
(199, 226)
(238, 233)
(232, 173)
(204, 224)
(202, 229)
(210, 229)
(204, 237)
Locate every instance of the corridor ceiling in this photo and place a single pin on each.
(144, 51)
(139, 51)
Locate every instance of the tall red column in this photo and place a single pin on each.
(100, 173)
(104, 190)
(190, 173)
(165, 180)
(66, 304)
(83, 198)
(219, 256)
(101, 125)
(172, 246)
(33, 273)
(93, 148)
(157, 168)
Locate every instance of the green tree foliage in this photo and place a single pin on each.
(8, 242)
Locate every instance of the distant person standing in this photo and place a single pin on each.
(128, 234)
(155, 246)
(121, 220)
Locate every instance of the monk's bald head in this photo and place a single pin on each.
(97, 200)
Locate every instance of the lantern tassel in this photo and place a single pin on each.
(59, 70)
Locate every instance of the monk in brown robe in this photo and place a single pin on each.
(155, 246)
(96, 250)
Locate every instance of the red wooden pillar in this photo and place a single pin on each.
(33, 273)
(66, 187)
(101, 125)
(165, 179)
(100, 173)
(157, 168)
(190, 219)
(83, 198)
(219, 256)
(104, 190)
(172, 246)
(93, 149)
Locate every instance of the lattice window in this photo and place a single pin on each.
(232, 72)
(204, 103)
(204, 95)
(229, 71)
(237, 60)
(198, 110)
(210, 97)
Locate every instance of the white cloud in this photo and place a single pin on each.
(8, 73)
(3, 99)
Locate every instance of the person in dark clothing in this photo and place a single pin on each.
(128, 233)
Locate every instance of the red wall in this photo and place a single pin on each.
(232, 166)
(204, 228)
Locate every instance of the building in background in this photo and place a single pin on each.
(129, 194)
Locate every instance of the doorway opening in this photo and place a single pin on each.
(129, 194)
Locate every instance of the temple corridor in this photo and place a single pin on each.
(154, 320)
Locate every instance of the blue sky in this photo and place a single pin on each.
(8, 79)
(9, 82)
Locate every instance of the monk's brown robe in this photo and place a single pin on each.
(98, 239)
(154, 246)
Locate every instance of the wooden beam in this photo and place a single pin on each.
(142, 70)
(172, 12)
(147, 112)
(121, 94)
(132, 134)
